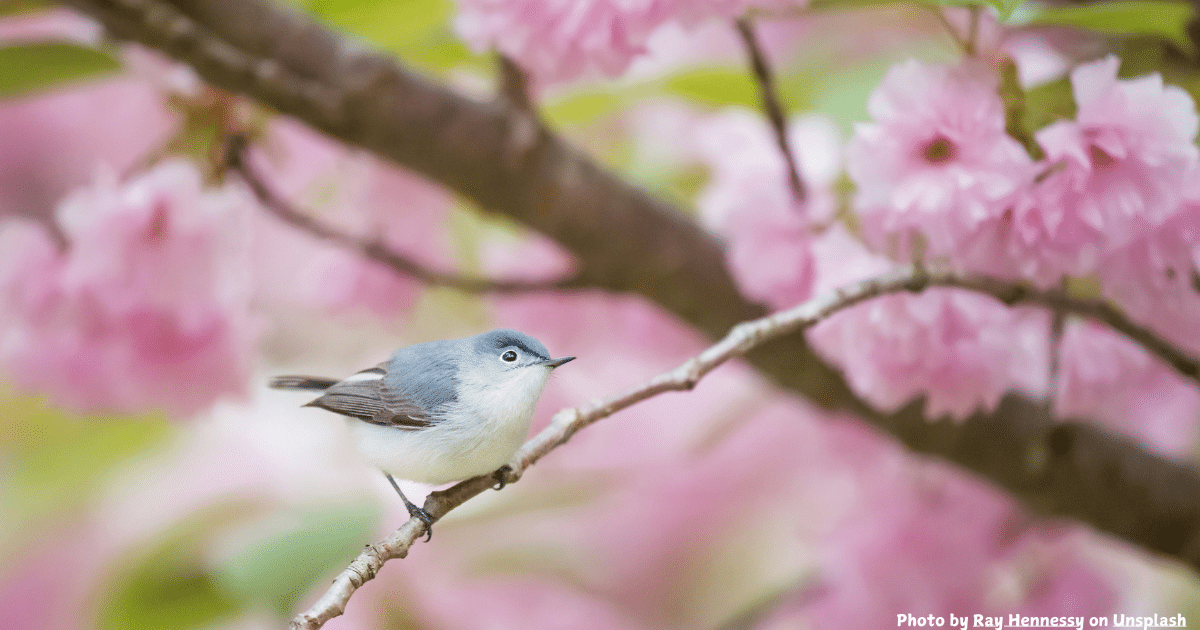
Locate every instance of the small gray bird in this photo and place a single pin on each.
(440, 411)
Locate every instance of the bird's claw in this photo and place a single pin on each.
(501, 477)
(425, 517)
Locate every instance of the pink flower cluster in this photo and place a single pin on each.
(558, 40)
(937, 164)
(147, 307)
(937, 174)
(937, 160)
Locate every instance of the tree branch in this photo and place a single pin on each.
(770, 103)
(1060, 302)
(237, 159)
(740, 340)
(630, 241)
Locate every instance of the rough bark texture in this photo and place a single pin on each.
(626, 240)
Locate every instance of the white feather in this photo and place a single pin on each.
(363, 376)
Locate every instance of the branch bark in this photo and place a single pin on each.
(630, 241)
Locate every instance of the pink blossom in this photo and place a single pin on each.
(54, 141)
(559, 40)
(1110, 177)
(360, 195)
(405, 213)
(1031, 240)
(936, 160)
(928, 541)
(750, 202)
(1156, 278)
(1111, 379)
(961, 349)
(147, 308)
(1129, 154)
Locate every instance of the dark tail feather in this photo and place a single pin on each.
(314, 383)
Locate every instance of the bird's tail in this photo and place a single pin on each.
(314, 383)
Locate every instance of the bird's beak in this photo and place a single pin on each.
(557, 362)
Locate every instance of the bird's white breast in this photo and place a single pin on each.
(487, 426)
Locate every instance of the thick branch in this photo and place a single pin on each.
(740, 340)
(629, 241)
(238, 161)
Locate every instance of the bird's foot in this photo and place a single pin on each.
(501, 476)
(421, 515)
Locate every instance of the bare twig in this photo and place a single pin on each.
(973, 30)
(1058, 301)
(771, 105)
(740, 340)
(964, 44)
(237, 159)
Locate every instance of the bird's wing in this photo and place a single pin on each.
(360, 396)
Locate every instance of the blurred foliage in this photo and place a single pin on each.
(1165, 19)
(419, 31)
(276, 572)
(54, 461)
(1048, 103)
(174, 584)
(1143, 55)
(1003, 8)
(26, 68)
(1016, 118)
(168, 586)
(17, 7)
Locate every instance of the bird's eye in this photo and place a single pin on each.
(509, 356)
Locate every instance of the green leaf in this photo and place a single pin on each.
(25, 68)
(416, 30)
(1015, 114)
(170, 587)
(1004, 8)
(582, 107)
(277, 571)
(1049, 103)
(1168, 20)
(53, 461)
(715, 86)
(18, 7)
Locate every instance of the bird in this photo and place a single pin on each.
(439, 411)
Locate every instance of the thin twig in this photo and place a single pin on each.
(1098, 310)
(973, 30)
(771, 105)
(967, 47)
(740, 340)
(371, 248)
